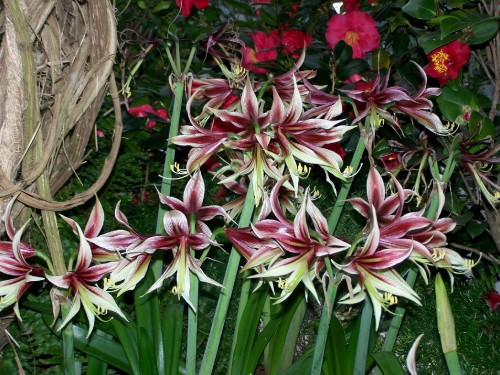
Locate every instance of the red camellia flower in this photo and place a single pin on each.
(358, 29)
(445, 62)
(186, 5)
(293, 40)
(493, 299)
(267, 46)
(265, 49)
(351, 5)
(146, 109)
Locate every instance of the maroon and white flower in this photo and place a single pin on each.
(95, 301)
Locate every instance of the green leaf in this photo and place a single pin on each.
(247, 330)
(354, 66)
(171, 326)
(388, 363)
(342, 52)
(302, 365)
(163, 5)
(431, 41)
(279, 341)
(451, 102)
(421, 9)
(102, 348)
(482, 32)
(147, 358)
(475, 228)
(335, 353)
(482, 127)
(260, 344)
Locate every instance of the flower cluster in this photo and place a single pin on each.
(119, 258)
(266, 144)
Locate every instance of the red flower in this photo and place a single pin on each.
(390, 161)
(265, 49)
(351, 5)
(186, 5)
(358, 29)
(445, 62)
(146, 109)
(493, 299)
(293, 40)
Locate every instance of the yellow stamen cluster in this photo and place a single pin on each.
(175, 168)
(283, 284)
(303, 170)
(390, 299)
(109, 284)
(438, 254)
(315, 194)
(348, 171)
(440, 60)
(101, 310)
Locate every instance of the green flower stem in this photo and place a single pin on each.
(324, 323)
(453, 363)
(214, 337)
(192, 315)
(363, 338)
(68, 343)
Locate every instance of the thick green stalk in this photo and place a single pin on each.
(324, 323)
(192, 315)
(214, 337)
(446, 327)
(363, 338)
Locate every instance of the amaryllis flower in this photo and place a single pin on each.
(304, 138)
(191, 205)
(186, 5)
(373, 264)
(387, 209)
(177, 229)
(221, 93)
(145, 110)
(95, 301)
(445, 62)
(265, 49)
(13, 263)
(357, 29)
(278, 238)
(377, 100)
(6, 246)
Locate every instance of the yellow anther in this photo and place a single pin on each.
(348, 171)
(497, 195)
(438, 254)
(175, 168)
(315, 194)
(101, 310)
(303, 170)
(469, 263)
(109, 284)
(283, 284)
(440, 61)
(390, 298)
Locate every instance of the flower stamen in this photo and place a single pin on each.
(390, 299)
